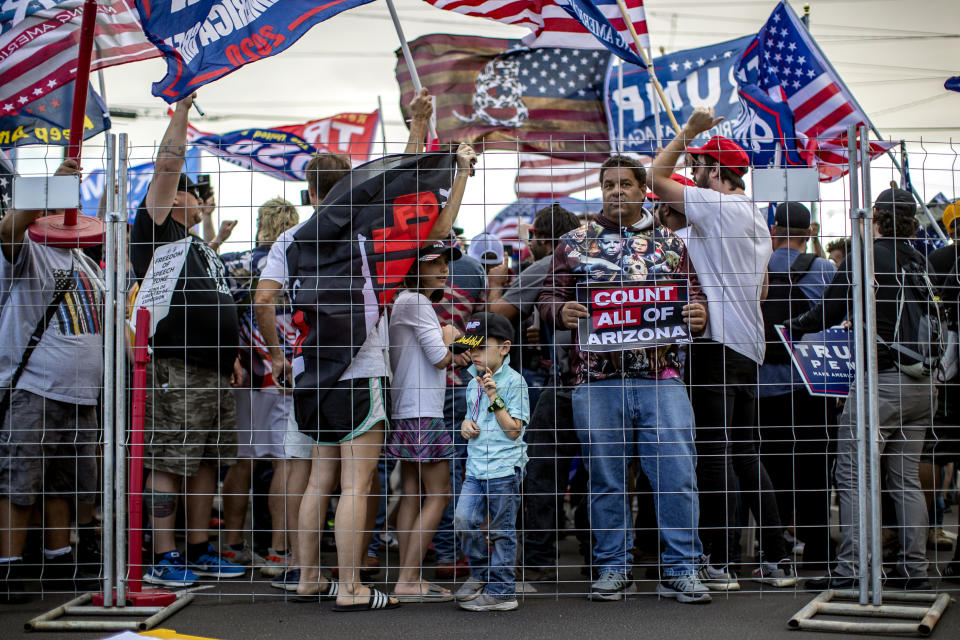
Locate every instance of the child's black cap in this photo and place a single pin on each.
(481, 326)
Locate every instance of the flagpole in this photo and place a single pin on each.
(620, 107)
(383, 126)
(805, 21)
(408, 57)
(646, 61)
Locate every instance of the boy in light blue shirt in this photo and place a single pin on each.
(498, 409)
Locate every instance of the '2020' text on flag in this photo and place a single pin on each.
(39, 44)
(551, 23)
(203, 41)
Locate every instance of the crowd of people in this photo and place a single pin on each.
(489, 389)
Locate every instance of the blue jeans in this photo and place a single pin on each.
(498, 498)
(625, 417)
(454, 411)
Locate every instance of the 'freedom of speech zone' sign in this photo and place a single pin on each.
(633, 316)
(824, 360)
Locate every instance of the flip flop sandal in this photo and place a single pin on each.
(330, 594)
(378, 600)
(434, 594)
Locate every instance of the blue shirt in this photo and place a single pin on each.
(778, 379)
(492, 454)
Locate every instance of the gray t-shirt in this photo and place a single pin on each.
(67, 365)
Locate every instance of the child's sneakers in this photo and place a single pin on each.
(487, 602)
(171, 571)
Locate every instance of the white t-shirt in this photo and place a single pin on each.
(416, 345)
(372, 361)
(729, 246)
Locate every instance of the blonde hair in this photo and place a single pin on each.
(274, 217)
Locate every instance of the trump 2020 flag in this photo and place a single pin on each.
(596, 16)
(46, 120)
(206, 40)
(346, 261)
(276, 153)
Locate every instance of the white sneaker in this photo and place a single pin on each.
(718, 579)
(687, 589)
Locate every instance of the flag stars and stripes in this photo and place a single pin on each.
(52, 83)
(674, 66)
(701, 62)
(687, 64)
(23, 99)
(8, 107)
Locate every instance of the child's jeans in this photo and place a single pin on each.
(500, 499)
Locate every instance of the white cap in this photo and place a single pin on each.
(486, 248)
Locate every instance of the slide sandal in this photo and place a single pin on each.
(434, 594)
(378, 600)
(330, 594)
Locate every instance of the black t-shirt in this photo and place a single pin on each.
(202, 326)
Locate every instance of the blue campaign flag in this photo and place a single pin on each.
(138, 180)
(824, 360)
(952, 84)
(277, 153)
(47, 119)
(203, 41)
(690, 78)
(591, 14)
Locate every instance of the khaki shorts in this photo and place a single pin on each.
(191, 418)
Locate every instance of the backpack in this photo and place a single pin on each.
(785, 300)
(918, 339)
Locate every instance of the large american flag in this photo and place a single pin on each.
(791, 65)
(506, 224)
(39, 42)
(546, 100)
(552, 26)
(542, 176)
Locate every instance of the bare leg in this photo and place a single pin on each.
(164, 519)
(236, 497)
(14, 521)
(358, 459)
(200, 490)
(56, 523)
(277, 504)
(298, 474)
(324, 474)
(434, 477)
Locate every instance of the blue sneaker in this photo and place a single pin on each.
(171, 571)
(288, 581)
(211, 564)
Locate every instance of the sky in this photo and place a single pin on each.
(893, 55)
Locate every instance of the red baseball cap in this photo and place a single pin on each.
(684, 180)
(726, 152)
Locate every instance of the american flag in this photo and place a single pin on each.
(551, 24)
(39, 42)
(550, 176)
(7, 172)
(790, 64)
(506, 224)
(545, 100)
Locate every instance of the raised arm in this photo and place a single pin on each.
(169, 164)
(420, 111)
(14, 224)
(665, 163)
(466, 158)
(265, 311)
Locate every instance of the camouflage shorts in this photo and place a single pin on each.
(191, 418)
(48, 448)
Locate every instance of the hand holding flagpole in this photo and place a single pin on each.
(646, 61)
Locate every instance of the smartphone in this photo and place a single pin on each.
(304, 197)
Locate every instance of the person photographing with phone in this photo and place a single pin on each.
(498, 409)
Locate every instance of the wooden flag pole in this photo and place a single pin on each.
(646, 61)
(408, 57)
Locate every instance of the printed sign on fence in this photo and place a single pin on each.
(824, 360)
(632, 316)
(161, 279)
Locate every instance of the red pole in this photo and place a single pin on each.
(84, 55)
(141, 356)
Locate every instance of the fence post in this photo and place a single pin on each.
(109, 377)
(118, 220)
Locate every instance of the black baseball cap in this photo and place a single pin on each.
(188, 185)
(436, 249)
(899, 202)
(480, 327)
(791, 215)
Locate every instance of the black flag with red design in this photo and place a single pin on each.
(347, 261)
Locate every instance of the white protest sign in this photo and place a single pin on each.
(161, 279)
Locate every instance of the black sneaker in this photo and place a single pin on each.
(13, 583)
(952, 572)
(831, 582)
(900, 582)
(63, 574)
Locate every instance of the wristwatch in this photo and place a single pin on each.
(497, 403)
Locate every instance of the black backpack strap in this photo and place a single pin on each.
(801, 266)
(63, 286)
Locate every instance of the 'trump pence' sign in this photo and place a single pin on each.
(824, 360)
(632, 316)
